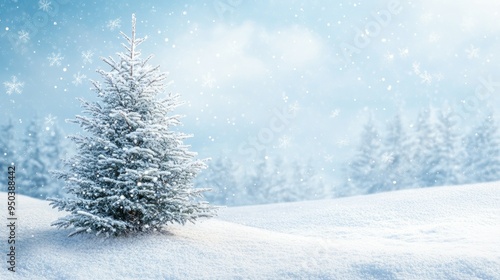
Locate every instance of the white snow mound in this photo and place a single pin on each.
(433, 233)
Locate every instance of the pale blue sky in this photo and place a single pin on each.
(239, 63)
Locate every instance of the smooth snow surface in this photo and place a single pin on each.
(434, 233)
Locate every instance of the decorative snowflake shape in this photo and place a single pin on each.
(328, 158)
(388, 158)
(426, 78)
(44, 5)
(467, 24)
(78, 79)
(208, 81)
(426, 18)
(234, 48)
(114, 24)
(87, 57)
(434, 37)
(472, 52)
(284, 142)
(389, 57)
(343, 142)
(50, 120)
(439, 77)
(55, 59)
(403, 52)
(14, 86)
(335, 113)
(294, 108)
(23, 36)
(416, 68)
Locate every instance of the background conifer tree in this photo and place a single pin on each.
(395, 161)
(220, 177)
(34, 174)
(7, 148)
(364, 170)
(482, 153)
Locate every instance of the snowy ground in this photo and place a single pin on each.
(434, 233)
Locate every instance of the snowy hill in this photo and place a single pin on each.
(434, 233)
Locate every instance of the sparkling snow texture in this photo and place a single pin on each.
(433, 233)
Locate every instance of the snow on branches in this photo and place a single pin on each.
(132, 172)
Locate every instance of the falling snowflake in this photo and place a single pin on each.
(467, 24)
(87, 57)
(335, 113)
(78, 79)
(13, 86)
(343, 142)
(285, 97)
(234, 48)
(328, 158)
(426, 78)
(55, 59)
(472, 52)
(23, 36)
(44, 5)
(416, 68)
(389, 57)
(404, 52)
(293, 108)
(388, 158)
(114, 24)
(194, 28)
(208, 81)
(284, 142)
(439, 77)
(426, 18)
(50, 120)
(434, 37)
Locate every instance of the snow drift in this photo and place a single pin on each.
(434, 233)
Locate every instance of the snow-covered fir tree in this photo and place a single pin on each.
(6, 143)
(319, 188)
(447, 153)
(54, 150)
(437, 153)
(482, 153)
(395, 160)
(303, 183)
(284, 182)
(40, 151)
(220, 176)
(132, 172)
(271, 180)
(7, 147)
(279, 188)
(364, 170)
(33, 175)
(422, 149)
(256, 182)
